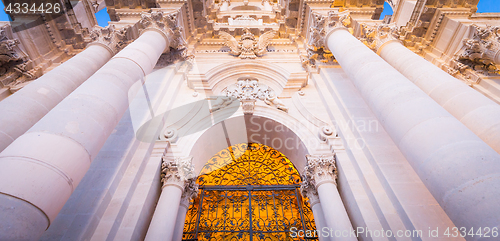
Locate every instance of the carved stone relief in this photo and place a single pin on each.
(248, 90)
(16, 69)
(114, 39)
(248, 47)
(478, 56)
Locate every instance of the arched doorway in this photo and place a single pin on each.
(248, 192)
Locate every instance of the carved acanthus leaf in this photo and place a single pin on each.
(322, 25)
(479, 53)
(320, 169)
(166, 23)
(377, 35)
(176, 171)
(115, 39)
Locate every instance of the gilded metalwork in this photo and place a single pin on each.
(247, 192)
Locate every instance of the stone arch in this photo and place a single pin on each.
(271, 128)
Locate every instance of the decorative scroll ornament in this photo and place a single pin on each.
(248, 47)
(177, 171)
(171, 135)
(16, 69)
(320, 169)
(114, 39)
(167, 24)
(479, 55)
(248, 89)
(325, 132)
(376, 36)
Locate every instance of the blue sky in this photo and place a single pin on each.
(102, 16)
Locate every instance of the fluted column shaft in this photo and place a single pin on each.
(458, 168)
(319, 217)
(474, 110)
(320, 173)
(181, 219)
(163, 223)
(27, 106)
(41, 168)
(178, 183)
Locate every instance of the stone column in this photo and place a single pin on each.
(23, 109)
(320, 173)
(476, 111)
(190, 192)
(41, 168)
(308, 190)
(458, 168)
(177, 176)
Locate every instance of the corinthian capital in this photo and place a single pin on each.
(480, 53)
(322, 25)
(320, 169)
(483, 46)
(165, 23)
(110, 37)
(377, 35)
(177, 172)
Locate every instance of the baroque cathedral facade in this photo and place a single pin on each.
(250, 120)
